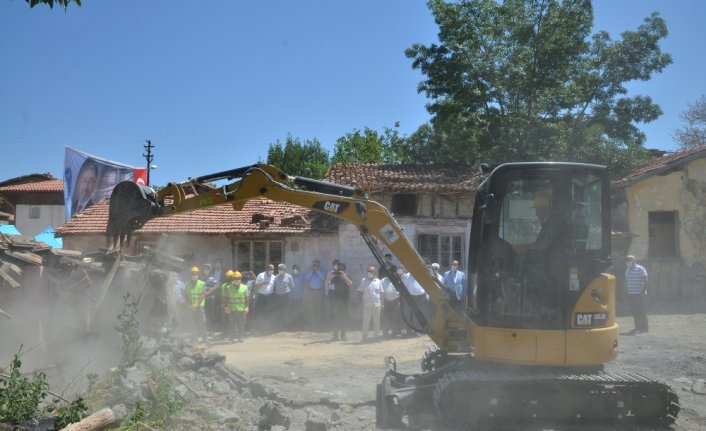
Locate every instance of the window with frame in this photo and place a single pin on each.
(35, 211)
(442, 249)
(404, 204)
(255, 255)
(663, 234)
(586, 213)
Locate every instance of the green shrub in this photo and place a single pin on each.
(21, 398)
(128, 328)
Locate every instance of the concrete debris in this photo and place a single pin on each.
(699, 387)
(221, 388)
(160, 362)
(186, 363)
(273, 413)
(316, 422)
(120, 411)
(225, 416)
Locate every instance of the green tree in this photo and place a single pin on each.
(307, 159)
(525, 80)
(693, 132)
(63, 3)
(370, 146)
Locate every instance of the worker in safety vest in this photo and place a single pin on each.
(194, 297)
(236, 300)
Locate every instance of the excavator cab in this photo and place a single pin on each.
(540, 241)
(540, 236)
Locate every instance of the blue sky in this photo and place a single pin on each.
(212, 84)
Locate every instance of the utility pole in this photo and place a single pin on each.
(149, 157)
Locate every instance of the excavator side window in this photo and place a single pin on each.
(586, 213)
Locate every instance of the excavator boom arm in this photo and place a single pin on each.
(131, 206)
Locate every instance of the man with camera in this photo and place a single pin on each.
(339, 297)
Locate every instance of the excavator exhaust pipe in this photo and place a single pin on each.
(131, 206)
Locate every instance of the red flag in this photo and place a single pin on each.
(141, 176)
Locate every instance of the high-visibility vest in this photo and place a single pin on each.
(236, 294)
(193, 292)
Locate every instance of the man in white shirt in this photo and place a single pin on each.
(264, 284)
(391, 316)
(419, 296)
(371, 299)
(283, 285)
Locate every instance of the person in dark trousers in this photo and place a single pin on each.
(636, 278)
(340, 296)
(265, 285)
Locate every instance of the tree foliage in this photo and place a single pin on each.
(523, 80)
(63, 3)
(370, 146)
(693, 132)
(307, 159)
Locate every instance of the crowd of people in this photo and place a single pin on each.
(234, 303)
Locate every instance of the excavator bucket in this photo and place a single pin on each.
(131, 206)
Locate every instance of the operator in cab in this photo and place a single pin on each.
(546, 235)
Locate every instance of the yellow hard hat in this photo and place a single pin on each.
(195, 270)
(540, 201)
(229, 273)
(237, 274)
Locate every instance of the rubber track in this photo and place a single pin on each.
(460, 397)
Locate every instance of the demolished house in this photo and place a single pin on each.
(263, 231)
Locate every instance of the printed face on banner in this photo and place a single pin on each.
(89, 179)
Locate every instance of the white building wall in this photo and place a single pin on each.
(207, 248)
(49, 215)
(303, 251)
(353, 252)
(357, 256)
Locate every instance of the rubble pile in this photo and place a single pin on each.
(210, 395)
(67, 302)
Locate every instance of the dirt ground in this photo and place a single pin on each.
(313, 373)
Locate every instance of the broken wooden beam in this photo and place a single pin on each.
(99, 420)
(5, 269)
(67, 260)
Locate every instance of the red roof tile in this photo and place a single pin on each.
(51, 185)
(663, 165)
(222, 219)
(31, 178)
(409, 178)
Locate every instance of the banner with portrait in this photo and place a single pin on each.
(89, 179)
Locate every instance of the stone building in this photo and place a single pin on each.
(659, 215)
(432, 203)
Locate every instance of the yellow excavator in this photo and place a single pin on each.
(523, 340)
